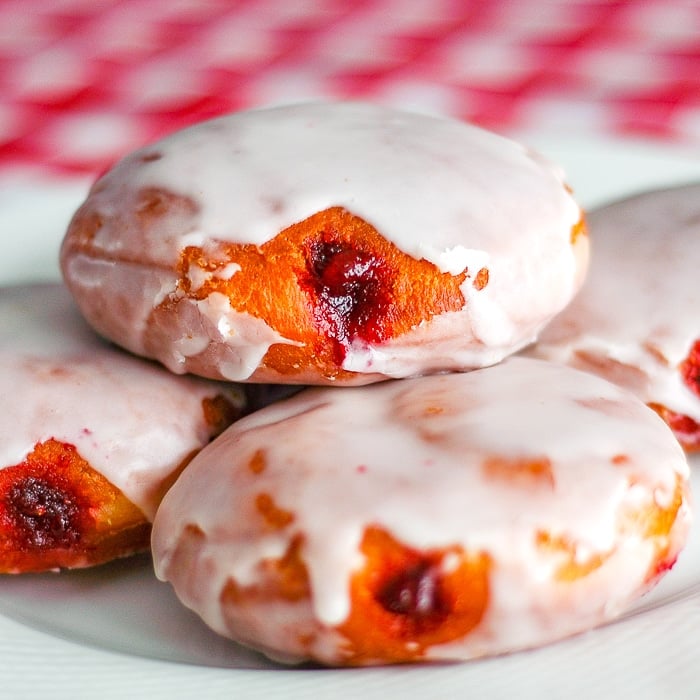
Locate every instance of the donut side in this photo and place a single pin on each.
(634, 321)
(326, 262)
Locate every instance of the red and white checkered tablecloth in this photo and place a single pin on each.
(84, 81)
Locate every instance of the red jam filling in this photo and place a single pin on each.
(686, 430)
(416, 594)
(690, 369)
(350, 292)
(42, 515)
(41, 508)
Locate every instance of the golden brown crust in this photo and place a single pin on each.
(528, 473)
(305, 284)
(285, 578)
(404, 601)
(219, 412)
(655, 523)
(572, 565)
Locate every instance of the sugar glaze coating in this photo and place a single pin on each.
(570, 492)
(439, 190)
(130, 420)
(635, 321)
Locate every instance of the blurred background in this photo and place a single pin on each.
(82, 82)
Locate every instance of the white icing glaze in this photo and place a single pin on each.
(409, 457)
(133, 421)
(639, 304)
(249, 335)
(254, 173)
(438, 189)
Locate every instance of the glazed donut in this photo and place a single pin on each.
(442, 517)
(635, 321)
(90, 437)
(325, 243)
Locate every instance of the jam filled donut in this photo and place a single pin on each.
(441, 517)
(90, 437)
(323, 243)
(635, 321)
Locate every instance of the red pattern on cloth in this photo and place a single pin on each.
(84, 81)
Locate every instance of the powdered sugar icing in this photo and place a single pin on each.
(257, 172)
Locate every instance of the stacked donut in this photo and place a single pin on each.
(635, 321)
(432, 496)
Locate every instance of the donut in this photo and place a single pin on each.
(444, 517)
(635, 319)
(90, 437)
(325, 243)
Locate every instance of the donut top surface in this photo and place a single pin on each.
(131, 420)
(635, 320)
(487, 460)
(427, 184)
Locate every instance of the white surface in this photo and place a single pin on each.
(116, 632)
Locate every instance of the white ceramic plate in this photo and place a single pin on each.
(115, 632)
